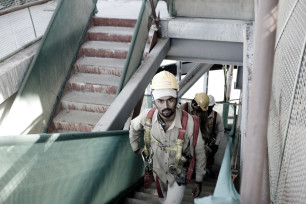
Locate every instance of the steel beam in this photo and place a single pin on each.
(192, 77)
(204, 29)
(221, 9)
(121, 108)
(203, 51)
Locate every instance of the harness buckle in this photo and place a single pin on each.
(148, 160)
(162, 147)
(179, 174)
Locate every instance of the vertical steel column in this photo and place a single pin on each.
(205, 83)
(248, 59)
(178, 71)
(229, 79)
(255, 166)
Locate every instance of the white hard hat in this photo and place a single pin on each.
(211, 100)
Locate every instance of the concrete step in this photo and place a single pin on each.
(78, 121)
(208, 186)
(94, 83)
(105, 49)
(152, 190)
(136, 201)
(154, 199)
(110, 33)
(87, 101)
(206, 190)
(98, 65)
(114, 22)
(63, 131)
(146, 197)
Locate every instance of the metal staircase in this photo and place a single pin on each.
(95, 76)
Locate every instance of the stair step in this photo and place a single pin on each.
(114, 22)
(137, 201)
(105, 49)
(94, 83)
(208, 187)
(63, 131)
(151, 190)
(87, 101)
(188, 199)
(98, 65)
(110, 33)
(146, 196)
(79, 121)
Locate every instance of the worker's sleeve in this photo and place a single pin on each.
(219, 131)
(200, 158)
(136, 128)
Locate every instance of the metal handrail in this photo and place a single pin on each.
(27, 5)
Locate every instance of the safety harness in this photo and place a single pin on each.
(179, 143)
(213, 138)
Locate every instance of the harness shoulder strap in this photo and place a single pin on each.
(150, 113)
(184, 121)
(215, 121)
(196, 126)
(147, 136)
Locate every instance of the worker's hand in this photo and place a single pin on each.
(138, 151)
(207, 149)
(197, 188)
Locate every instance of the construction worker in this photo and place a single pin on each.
(198, 106)
(215, 133)
(173, 143)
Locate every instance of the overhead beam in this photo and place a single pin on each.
(204, 29)
(192, 77)
(123, 105)
(203, 51)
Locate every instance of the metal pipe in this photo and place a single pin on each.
(255, 165)
(229, 79)
(205, 83)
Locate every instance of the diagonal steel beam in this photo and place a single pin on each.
(123, 105)
(192, 77)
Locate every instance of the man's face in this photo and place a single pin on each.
(166, 105)
(195, 106)
(210, 108)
